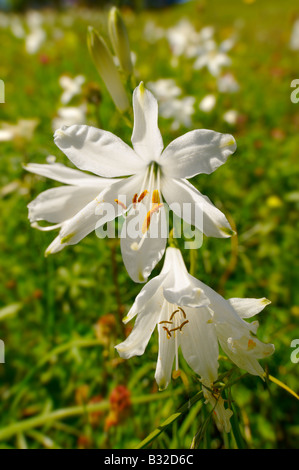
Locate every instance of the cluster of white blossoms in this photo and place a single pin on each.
(205, 52)
(187, 313)
(138, 184)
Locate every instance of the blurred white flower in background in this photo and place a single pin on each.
(71, 87)
(152, 32)
(294, 40)
(227, 83)
(34, 40)
(171, 104)
(214, 57)
(23, 129)
(37, 34)
(67, 116)
(17, 28)
(164, 89)
(183, 38)
(180, 110)
(207, 103)
(231, 117)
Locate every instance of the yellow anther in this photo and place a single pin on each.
(142, 195)
(156, 197)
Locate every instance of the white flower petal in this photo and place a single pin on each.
(167, 349)
(64, 174)
(76, 228)
(98, 151)
(199, 343)
(59, 204)
(245, 352)
(180, 288)
(146, 138)
(146, 294)
(144, 326)
(247, 308)
(142, 251)
(198, 151)
(222, 415)
(195, 208)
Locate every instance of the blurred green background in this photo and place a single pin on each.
(60, 315)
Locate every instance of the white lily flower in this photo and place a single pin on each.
(170, 301)
(71, 87)
(214, 57)
(192, 316)
(156, 174)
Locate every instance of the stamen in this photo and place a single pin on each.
(173, 313)
(167, 331)
(175, 329)
(183, 312)
(170, 322)
(134, 200)
(142, 195)
(46, 229)
(147, 220)
(120, 203)
(184, 323)
(156, 197)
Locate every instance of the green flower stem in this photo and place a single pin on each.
(193, 259)
(48, 418)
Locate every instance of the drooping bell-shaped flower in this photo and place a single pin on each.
(192, 316)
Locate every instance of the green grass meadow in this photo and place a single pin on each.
(60, 316)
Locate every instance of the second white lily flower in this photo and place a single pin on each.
(192, 316)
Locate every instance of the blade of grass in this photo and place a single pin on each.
(282, 385)
(153, 435)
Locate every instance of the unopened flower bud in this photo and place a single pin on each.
(104, 63)
(120, 40)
